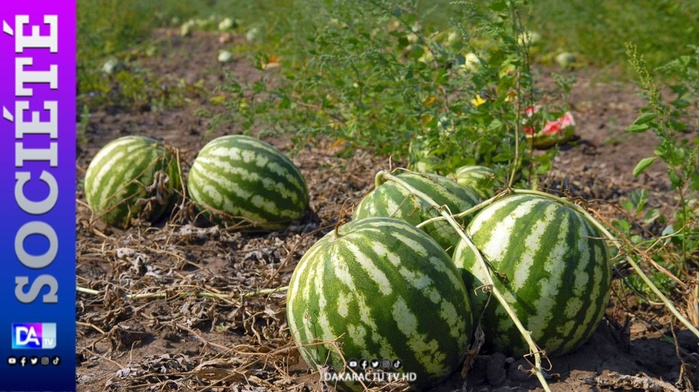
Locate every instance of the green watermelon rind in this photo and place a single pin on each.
(391, 199)
(380, 288)
(244, 181)
(119, 182)
(550, 263)
(480, 179)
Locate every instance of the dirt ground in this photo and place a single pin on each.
(179, 307)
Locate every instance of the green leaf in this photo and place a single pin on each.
(627, 205)
(645, 118)
(639, 199)
(643, 165)
(622, 225)
(675, 179)
(638, 128)
(668, 230)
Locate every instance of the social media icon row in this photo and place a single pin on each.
(385, 364)
(33, 360)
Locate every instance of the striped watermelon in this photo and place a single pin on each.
(246, 182)
(479, 178)
(381, 289)
(551, 265)
(393, 200)
(132, 177)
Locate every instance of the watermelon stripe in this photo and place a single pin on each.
(119, 174)
(276, 165)
(556, 269)
(391, 199)
(238, 178)
(258, 208)
(387, 290)
(112, 154)
(271, 182)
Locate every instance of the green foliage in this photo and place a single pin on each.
(112, 37)
(376, 76)
(668, 242)
(597, 30)
(679, 151)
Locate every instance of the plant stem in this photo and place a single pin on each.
(468, 212)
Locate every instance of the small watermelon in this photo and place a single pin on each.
(246, 182)
(479, 178)
(132, 177)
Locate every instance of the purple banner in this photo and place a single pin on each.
(37, 195)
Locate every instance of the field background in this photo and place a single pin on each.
(179, 307)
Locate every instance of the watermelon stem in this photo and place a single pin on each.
(619, 245)
(534, 349)
(468, 212)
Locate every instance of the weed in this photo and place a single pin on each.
(672, 246)
(377, 77)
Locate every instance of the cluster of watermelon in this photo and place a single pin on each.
(398, 283)
(237, 180)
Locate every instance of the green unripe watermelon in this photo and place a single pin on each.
(550, 263)
(391, 199)
(479, 178)
(380, 289)
(132, 177)
(243, 181)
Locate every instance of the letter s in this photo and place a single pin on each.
(42, 280)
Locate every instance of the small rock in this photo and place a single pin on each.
(225, 38)
(514, 374)
(496, 373)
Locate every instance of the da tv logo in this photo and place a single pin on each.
(33, 335)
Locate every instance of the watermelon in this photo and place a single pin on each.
(554, 132)
(421, 158)
(247, 183)
(132, 177)
(391, 199)
(480, 179)
(379, 288)
(550, 263)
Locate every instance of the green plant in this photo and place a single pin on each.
(596, 31)
(82, 127)
(677, 149)
(377, 77)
